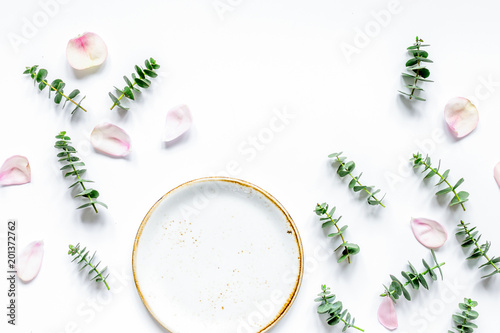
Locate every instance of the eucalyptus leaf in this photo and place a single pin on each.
(418, 71)
(326, 216)
(463, 320)
(140, 81)
(413, 278)
(73, 163)
(39, 76)
(334, 310)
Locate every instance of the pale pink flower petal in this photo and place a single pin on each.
(496, 173)
(30, 261)
(429, 233)
(15, 171)
(461, 116)
(111, 140)
(179, 121)
(387, 314)
(85, 51)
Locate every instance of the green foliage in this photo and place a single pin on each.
(83, 257)
(349, 249)
(471, 238)
(141, 81)
(413, 278)
(326, 298)
(39, 76)
(346, 168)
(463, 320)
(459, 197)
(72, 168)
(418, 72)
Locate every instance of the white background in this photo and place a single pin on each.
(234, 68)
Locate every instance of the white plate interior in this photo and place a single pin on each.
(217, 255)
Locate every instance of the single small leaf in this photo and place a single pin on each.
(128, 93)
(114, 99)
(141, 83)
(460, 181)
(423, 59)
(74, 93)
(119, 90)
(411, 62)
(150, 73)
(423, 72)
(79, 181)
(42, 74)
(89, 193)
(444, 177)
(128, 81)
(444, 191)
(140, 72)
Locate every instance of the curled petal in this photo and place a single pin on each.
(111, 140)
(387, 314)
(179, 121)
(30, 261)
(461, 116)
(85, 51)
(15, 171)
(496, 173)
(429, 233)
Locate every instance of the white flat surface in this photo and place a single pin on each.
(236, 74)
(205, 268)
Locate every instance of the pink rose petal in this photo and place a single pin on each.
(30, 261)
(387, 314)
(496, 173)
(461, 116)
(429, 233)
(85, 51)
(111, 140)
(179, 121)
(15, 171)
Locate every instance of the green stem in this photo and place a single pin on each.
(80, 180)
(465, 318)
(416, 278)
(342, 319)
(353, 326)
(60, 93)
(121, 96)
(416, 74)
(94, 269)
(338, 229)
(479, 247)
(357, 181)
(444, 180)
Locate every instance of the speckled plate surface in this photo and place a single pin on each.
(217, 255)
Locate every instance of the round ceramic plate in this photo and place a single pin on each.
(217, 255)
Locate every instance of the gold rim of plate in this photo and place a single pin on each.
(289, 219)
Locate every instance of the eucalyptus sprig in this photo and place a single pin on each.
(471, 238)
(418, 71)
(459, 197)
(73, 164)
(141, 81)
(326, 299)
(349, 249)
(463, 320)
(83, 257)
(413, 278)
(345, 169)
(39, 76)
